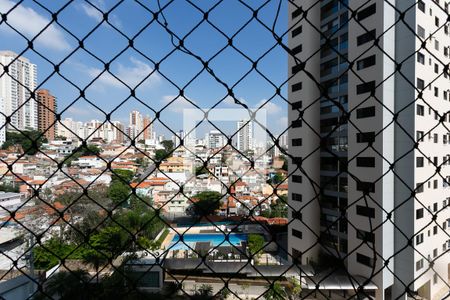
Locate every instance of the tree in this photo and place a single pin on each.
(279, 208)
(294, 287)
(83, 150)
(168, 145)
(208, 202)
(255, 243)
(122, 175)
(68, 285)
(30, 140)
(160, 155)
(205, 291)
(275, 292)
(9, 188)
(201, 170)
(119, 192)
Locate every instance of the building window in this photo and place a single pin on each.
(365, 236)
(366, 37)
(420, 84)
(365, 112)
(435, 278)
(421, 6)
(419, 187)
(419, 264)
(365, 260)
(419, 239)
(297, 197)
(366, 62)
(366, 87)
(419, 162)
(419, 213)
(297, 142)
(297, 12)
(365, 137)
(420, 58)
(297, 31)
(420, 110)
(421, 31)
(297, 86)
(367, 12)
(297, 178)
(296, 255)
(368, 162)
(297, 233)
(365, 186)
(419, 135)
(365, 211)
(296, 123)
(297, 105)
(297, 50)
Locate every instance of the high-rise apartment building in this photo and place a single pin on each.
(147, 127)
(135, 128)
(215, 139)
(46, 104)
(369, 196)
(2, 122)
(16, 87)
(244, 141)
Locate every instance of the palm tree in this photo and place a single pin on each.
(68, 285)
(275, 292)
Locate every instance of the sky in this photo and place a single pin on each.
(156, 89)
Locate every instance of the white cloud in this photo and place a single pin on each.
(131, 74)
(270, 107)
(229, 101)
(28, 22)
(283, 122)
(92, 12)
(179, 104)
(96, 12)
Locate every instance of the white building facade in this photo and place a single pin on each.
(16, 88)
(371, 195)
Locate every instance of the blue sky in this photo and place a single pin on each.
(105, 43)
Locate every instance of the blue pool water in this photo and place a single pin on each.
(215, 239)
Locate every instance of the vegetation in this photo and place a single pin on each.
(201, 170)
(278, 209)
(128, 230)
(30, 140)
(208, 202)
(9, 188)
(255, 244)
(119, 189)
(275, 292)
(83, 150)
(285, 162)
(162, 154)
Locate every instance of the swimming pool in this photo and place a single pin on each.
(215, 239)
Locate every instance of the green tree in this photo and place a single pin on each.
(255, 243)
(208, 202)
(68, 285)
(201, 170)
(279, 209)
(294, 288)
(30, 140)
(119, 192)
(120, 175)
(160, 155)
(9, 188)
(168, 145)
(83, 150)
(275, 292)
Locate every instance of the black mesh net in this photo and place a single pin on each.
(322, 174)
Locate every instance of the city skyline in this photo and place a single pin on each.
(107, 92)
